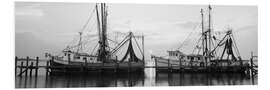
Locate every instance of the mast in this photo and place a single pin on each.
(99, 33)
(202, 31)
(130, 41)
(103, 50)
(98, 24)
(204, 39)
(209, 31)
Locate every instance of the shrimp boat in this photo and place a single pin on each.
(207, 59)
(105, 59)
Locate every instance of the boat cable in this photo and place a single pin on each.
(137, 44)
(189, 35)
(196, 45)
(234, 40)
(88, 20)
(120, 44)
(92, 53)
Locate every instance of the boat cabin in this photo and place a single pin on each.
(78, 57)
(174, 55)
(194, 59)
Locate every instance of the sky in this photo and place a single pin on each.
(49, 27)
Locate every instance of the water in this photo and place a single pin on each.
(149, 78)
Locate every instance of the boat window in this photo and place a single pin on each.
(199, 58)
(84, 58)
(77, 57)
(192, 58)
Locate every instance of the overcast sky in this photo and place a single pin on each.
(49, 27)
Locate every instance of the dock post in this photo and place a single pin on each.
(36, 72)
(252, 68)
(47, 68)
(52, 60)
(16, 59)
(21, 69)
(156, 67)
(49, 65)
(27, 60)
(251, 63)
(129, 66)
(115, 67)
(81, 67)
(31, 68)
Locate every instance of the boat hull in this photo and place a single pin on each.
(215, 66)
(72, 67)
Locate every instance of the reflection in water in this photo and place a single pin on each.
(149, 78)
(202, 79)
(97, 79)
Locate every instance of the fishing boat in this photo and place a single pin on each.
(105, 59)
(207, 58)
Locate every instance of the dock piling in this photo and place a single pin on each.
(156, 67)
(27, 60)
(85, 65)
(37, 60)
(169, 68)
(47, 68)
(21, 69)
(16, 59)
(116, 65)
(31, 68)
(251, 64)
(129, 66)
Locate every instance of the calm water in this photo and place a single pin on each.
(149, 78)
